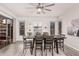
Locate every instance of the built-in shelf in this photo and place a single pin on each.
(6, 31)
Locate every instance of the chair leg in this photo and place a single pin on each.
(54, 44)
(24, 48)
(31, 48)
(52, 50)
(60, 44)
(63, 46)
(42, 51)
(46, 52)
(35, 51)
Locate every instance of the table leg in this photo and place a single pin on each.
(57, 47)
(52, 48)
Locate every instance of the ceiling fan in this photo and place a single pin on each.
(41, 7)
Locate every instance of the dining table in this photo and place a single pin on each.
(55, 40)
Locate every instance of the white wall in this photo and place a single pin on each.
(70, 15)
(43, 20)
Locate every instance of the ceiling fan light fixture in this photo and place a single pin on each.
(39, 9)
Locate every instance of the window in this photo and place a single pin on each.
(60, 27)
(22, 28)
(52, 28)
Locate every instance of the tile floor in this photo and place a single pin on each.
(16, 49)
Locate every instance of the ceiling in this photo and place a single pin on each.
(28, 9)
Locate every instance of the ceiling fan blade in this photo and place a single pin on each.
(48, 9)
(49, 5)
(39, 4)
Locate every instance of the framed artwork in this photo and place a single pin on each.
(74, 28)
(70, 31)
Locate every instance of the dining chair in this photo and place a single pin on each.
(38, 44)
(27, 44)
(48, 44)
(60, 41)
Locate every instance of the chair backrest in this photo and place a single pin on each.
(49, 37)
(38, 33)
(45, 34)
(49, 40)
(38, 37)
